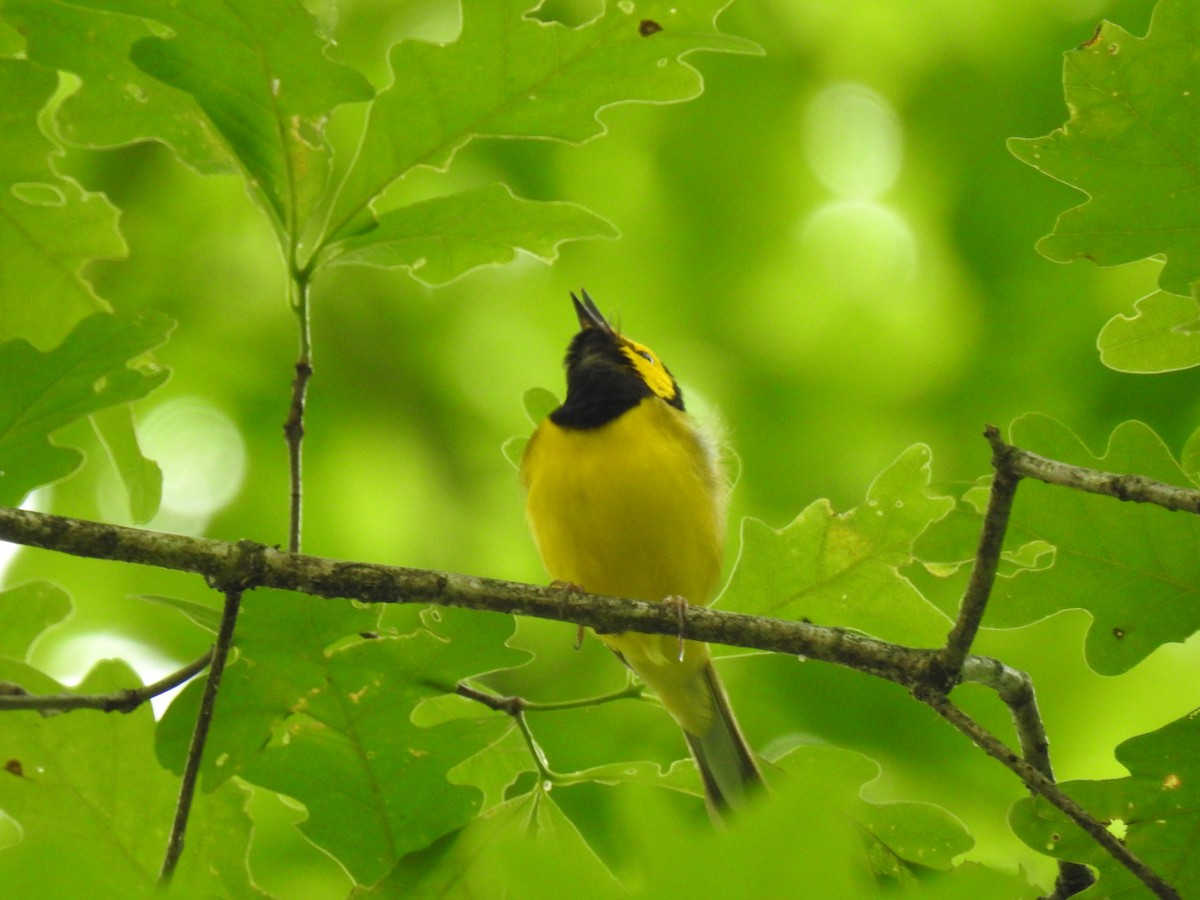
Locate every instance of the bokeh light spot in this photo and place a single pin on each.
(203, 459)
(853, 141)
(863, 249)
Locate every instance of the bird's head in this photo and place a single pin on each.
(608, 373)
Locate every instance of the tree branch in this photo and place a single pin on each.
(191, 769)
(245, 565)
(1133, 488)
(1040, 784)
(1015, 690)
(983, 576)
(14, 696)
(929, 674)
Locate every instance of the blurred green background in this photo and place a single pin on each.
(831, 248)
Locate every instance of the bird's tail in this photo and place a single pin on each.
(722, 755)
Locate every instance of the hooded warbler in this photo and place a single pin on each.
(626, 495)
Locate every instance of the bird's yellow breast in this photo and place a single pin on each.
(634, 508)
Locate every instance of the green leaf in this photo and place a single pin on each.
(142, 477)
(12, 42)
(843, 568)
(526, 841)
(1157, 807)
(810, 807)
(945, 553)
(1134, 567)
(539, 403)
(207, 617)
(49, 225)
(1189, 457)
(26, 611)
(495, 768)
(514, 450)
(374, 782)
(899, 839)
(281, 658)
(440, 239)
(1131, 144)
(116, 102)
(45, 391)
(509, 75)
(85, 787)
(1163, 335)
(970, 879)
(258, 70)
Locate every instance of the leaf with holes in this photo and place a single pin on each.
(1155, 811)
(1132, 145)
(509, 75)
(282, 642)
(259, 72)
(116, 102)
(440, 239)
(89, 372)
(49, 225)
(85, 787)
(1135, 567)
(1162, 335)
(375, 783)
(26, 611)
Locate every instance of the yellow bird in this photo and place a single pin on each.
(626, 495)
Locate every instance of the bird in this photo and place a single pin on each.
(626, 495)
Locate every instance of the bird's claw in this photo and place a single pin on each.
(680, 605)
(571, 586)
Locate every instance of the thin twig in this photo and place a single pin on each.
(191, 769)
(1132, 488)
(127, 700)
(293, 427)
(513, 703)
(514, 707)
(1015, 690)
(983, 575)
(1044, 786)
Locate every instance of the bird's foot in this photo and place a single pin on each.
(572, 586)
(680, 605)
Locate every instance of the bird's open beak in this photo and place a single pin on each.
(588, 315)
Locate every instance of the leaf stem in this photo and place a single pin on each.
(293, 426)
(191, 769)
(632, 691)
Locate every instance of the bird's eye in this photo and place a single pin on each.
(646, 356)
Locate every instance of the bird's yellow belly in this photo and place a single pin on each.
(632, 508)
